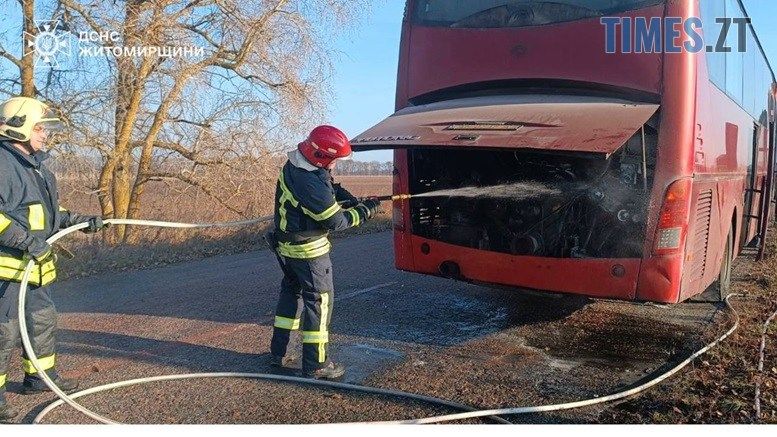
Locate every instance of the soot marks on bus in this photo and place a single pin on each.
(566, 205)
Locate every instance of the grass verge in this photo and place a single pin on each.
(719, 387)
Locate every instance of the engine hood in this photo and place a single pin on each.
(547, 122)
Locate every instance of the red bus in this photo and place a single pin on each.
(655, 168)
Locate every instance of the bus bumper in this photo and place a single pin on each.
(600, 278)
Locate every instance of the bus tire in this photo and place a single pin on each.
(720, 289)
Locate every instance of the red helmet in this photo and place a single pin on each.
(324, 145)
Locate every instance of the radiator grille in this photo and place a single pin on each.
(701, 234)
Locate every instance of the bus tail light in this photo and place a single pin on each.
(673, 220)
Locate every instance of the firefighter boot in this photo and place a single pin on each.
(330, 371)
(34, 385)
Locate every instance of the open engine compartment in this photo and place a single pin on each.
(597, 209)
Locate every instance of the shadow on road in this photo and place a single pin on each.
(192, 357)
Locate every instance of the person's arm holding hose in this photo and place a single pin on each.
(68, 219)
(323, 207)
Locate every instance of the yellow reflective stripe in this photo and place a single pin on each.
(309, 250)
(37, 218)
(48, 277)
(323, 328)
(18, 264)
(286, 323)
(12, 269)
(3, 378)
(286, 195)
(4, 222)
(324, 312)
(329, 212)
(304, 255)
(354, 217)
(315, 337)
(285, 189)
(45, 362)
(35, 279)
(61, 209)
(315, 244)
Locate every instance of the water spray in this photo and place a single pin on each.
(516, 191)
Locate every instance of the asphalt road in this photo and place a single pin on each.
(484, 347)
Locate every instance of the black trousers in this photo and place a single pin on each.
(41, 323)
(306, 300)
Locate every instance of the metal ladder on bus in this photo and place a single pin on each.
(767, 203)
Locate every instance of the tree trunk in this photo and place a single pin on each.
(147, 153)
(27, 69)
(129, 92)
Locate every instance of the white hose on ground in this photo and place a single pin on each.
(470, 411)
(761, 353)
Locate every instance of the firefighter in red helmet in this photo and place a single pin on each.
(307, 206)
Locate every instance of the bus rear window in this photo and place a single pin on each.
(517, 13)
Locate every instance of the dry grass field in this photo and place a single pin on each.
(362, 186)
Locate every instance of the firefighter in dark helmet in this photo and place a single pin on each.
(29, 214)
(307, 206)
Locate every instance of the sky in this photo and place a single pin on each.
(366, 74)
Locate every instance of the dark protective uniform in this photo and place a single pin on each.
(29, 210)
(306, 209)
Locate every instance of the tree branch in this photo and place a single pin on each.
(10, 57)
(193, 182)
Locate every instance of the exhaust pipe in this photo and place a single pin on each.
(450, 269)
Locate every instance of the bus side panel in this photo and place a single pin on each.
(725, 152)
(714, 174)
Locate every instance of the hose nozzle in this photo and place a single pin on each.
(394, 197)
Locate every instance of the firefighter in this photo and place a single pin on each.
(307, 207)
(29, 214)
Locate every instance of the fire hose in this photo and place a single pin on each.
(469, 412)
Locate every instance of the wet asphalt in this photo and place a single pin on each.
(475, 345)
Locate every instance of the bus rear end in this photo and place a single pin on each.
(537, 160)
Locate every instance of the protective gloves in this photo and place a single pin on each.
(373, 206)
(95, 224)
